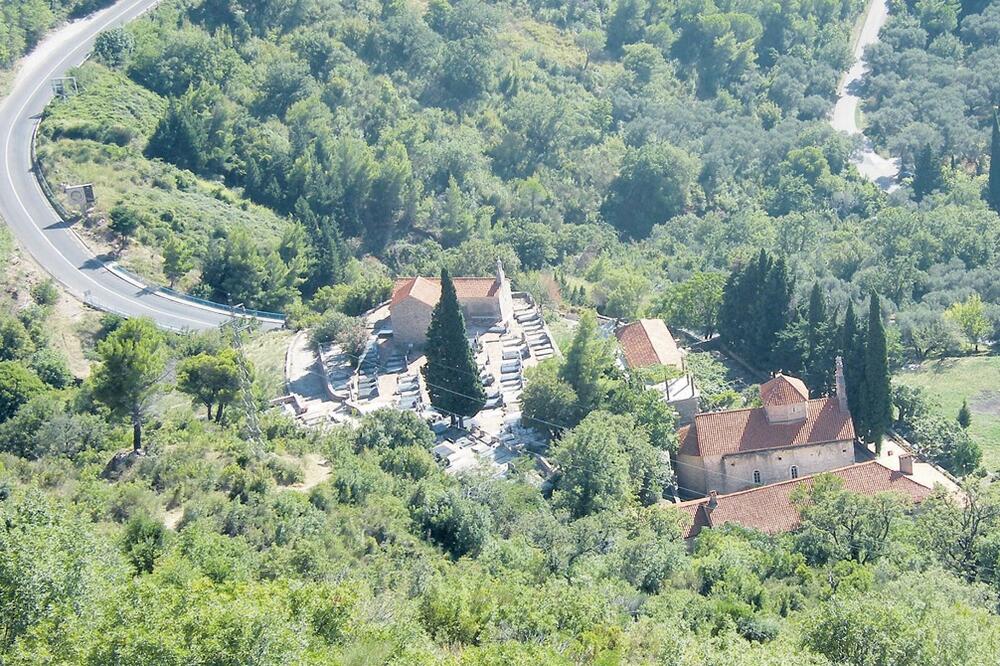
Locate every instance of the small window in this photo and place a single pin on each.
(795, 471)
(756, 476)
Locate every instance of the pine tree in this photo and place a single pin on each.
(876, 390)
(133, 359)
(330, 255)
(451, 372)
(965, 415)
(176, 259)
(993, 190)
(588, 362)
(926, 173)
(177, 139)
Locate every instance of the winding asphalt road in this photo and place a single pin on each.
(26, 210)
(881, 171)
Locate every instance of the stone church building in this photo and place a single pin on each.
(485, 301)
(788, 437)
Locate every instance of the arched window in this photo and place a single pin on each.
(795, 471)
(756, 476)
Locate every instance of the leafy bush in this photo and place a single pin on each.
(45, 292)
(51, 368)
(18, 385)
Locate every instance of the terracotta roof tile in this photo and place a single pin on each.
(783, 390)
(648, 342)
(741, 430)
(428, 290)
(476, 287)
(770, 509)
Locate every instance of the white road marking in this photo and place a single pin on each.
(115, 16)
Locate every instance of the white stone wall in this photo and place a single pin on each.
(506, 302)
(691, 475)
(480, 308)
(728, 474)
(686, 409)
(775, 464)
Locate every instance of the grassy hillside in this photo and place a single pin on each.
(109, 108)
(976, 379)
(98, 137)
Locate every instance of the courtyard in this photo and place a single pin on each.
(388, 375)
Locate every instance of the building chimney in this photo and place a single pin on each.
(501, 276)
(841, 385)
(906, 464)
(713, 500)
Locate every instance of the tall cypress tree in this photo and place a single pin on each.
(754, 290)
(926, 173)
(737, 314)
(820, 344)
(817, 318)
(993, 191)
(876, 391)
(755, 309)
(852, 353)
(451, 372)
(775, 306)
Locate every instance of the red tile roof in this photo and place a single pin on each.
(741, 430)
(648, 342)
(783, 390)
(770, 509)
(428, 290)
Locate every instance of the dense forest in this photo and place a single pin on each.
(625, 157)
(24, 22)
(934, 81)
(641, 156)
(212, 548)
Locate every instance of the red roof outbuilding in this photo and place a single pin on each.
(648, 342)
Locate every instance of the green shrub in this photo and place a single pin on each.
(45, 292)
(285, 472)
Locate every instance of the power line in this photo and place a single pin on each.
(235, 326)
(564, 426)
(561, 427)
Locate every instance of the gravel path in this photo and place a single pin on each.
(881, 171)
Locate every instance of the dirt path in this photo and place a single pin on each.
(69, 320)
(303, 374)
(317, 470)
(173, 517)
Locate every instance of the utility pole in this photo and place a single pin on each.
(239, 323)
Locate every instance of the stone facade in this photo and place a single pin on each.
(410, 319)
(739, 471)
